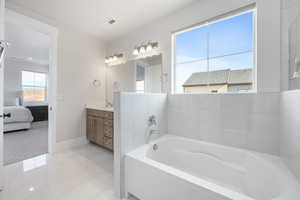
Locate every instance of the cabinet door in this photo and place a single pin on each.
(99, 130)
(90, 131)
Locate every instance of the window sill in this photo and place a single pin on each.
(211, 93)
(35, 103)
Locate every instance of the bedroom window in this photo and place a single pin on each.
(34, 86)
(216, 57)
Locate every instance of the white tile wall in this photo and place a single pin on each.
(248, 121)
(130, 121)
(290, 130)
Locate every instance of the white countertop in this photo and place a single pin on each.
(100, 107)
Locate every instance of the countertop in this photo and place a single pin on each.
(100, 107)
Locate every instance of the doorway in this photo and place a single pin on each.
(29, 88)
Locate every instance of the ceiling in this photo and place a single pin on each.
(91, 16)
(27, 44)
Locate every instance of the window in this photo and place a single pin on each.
(140, 78)
(217, 57)
(34, 86)
(140, 86)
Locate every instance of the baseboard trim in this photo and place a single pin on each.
(69, 144)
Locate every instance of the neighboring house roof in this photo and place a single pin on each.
(220, 77)
(240, 77)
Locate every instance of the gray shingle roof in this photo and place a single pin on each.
(220, 77)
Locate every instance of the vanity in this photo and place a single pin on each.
(100, 126)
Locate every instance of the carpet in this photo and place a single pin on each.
(19, 146)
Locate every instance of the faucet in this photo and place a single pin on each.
(108, 104)
(152, 122)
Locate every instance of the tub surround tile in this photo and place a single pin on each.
(290, 130)
(248, 121)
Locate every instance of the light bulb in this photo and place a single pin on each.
(135, 52)
(107, 60)
(149, 47)
(142, 50)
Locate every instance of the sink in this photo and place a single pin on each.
(99, 107)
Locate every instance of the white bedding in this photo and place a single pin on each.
(17, 126)
(19, 114)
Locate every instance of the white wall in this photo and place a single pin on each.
(80, 61)
(249, 121)
(290, 133)
(13, 77)
(268, 35)
(130, 126)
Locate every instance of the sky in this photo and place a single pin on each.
(230, 36)
(33, 79)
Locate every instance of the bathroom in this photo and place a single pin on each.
(201, 101)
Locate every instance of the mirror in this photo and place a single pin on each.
(294, 55)
(142, 76)
(148, 75)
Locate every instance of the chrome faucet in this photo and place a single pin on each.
(108, 104)
(152, 122)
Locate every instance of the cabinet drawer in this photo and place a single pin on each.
(108, 115)
(99, 113)
(108, 122)
(94, 113)
(108, 131)
(108, 142)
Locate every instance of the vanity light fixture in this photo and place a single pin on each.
(145, 48)
(113, 58)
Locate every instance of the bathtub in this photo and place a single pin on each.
(175, 168)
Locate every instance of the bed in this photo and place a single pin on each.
(20, 119)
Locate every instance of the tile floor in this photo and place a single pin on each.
(84, 173)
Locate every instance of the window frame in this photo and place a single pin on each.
(46, 88)
(219, 18)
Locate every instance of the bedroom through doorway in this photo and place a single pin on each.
(26, 92)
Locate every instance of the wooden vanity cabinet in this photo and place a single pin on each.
(99, 128)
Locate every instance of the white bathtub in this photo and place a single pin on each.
(184, 169)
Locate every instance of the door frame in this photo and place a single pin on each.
(14, 17)
(2, 6)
